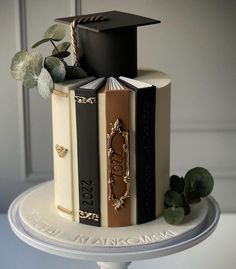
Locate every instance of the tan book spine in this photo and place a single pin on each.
(118, 178)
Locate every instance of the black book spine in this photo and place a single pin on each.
(145, 154)
(88, 160)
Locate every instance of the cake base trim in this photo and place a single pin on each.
(41, 220)
(117, 255)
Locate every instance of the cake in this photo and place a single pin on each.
(94, 184)
(66, 172)
(111, 145)
(111, 125)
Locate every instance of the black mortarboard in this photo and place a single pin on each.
(109, 47)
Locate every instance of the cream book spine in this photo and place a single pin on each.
(66, 191)
(62, 152)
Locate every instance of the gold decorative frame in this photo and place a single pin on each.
(88, 215)
(118, 201)
(84, 100)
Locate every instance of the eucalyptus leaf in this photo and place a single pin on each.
(177, 184)
(45, 84)
(192, 197)
(56, 68)
(198, 183)
(174, 215)
(34, 63)
(64, 46)
(42, 41)
(29, 82)
(186, 206)
(73, 72)
(55, 32)
(62, 54)
(26, 64)
(18, 65)
(172, 198)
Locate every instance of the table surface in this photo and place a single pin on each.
(217, 251)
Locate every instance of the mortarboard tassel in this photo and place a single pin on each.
(73, 24)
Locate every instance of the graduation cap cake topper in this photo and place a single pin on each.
(107, 42)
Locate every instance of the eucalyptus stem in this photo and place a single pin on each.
(54, 45)
(56, 49)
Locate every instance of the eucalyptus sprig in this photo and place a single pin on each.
(197, 183)
(35, 71)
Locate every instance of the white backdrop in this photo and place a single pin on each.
(195, 45)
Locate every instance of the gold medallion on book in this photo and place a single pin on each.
(118, 164)
(61, 151)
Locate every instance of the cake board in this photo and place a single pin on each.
(39, 225)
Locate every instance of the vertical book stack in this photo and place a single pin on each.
(111, 157)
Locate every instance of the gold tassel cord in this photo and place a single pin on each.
(73, 33)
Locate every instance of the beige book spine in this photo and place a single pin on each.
(162, 141)
(132, 127)
(102, 157)
(74, 163)
(62, 153)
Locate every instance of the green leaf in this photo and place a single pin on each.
(73, 72)
(34, 63)
(186, 206)
(177, 184)
(62, 54)
(55, 32)
(42, 41)
(193, 197)
(45, 84)
(64, 46)
(174, 215)
(172, 198)
(56, 68)
(18, 65)
(198, 183)
(26, 65)
(30, 82)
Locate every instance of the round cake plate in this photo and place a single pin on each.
(112, 248)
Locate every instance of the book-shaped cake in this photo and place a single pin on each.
(115, 129)
(112, 168)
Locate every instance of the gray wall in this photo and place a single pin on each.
(195, 45)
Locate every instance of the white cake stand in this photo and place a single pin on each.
(126, 244)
